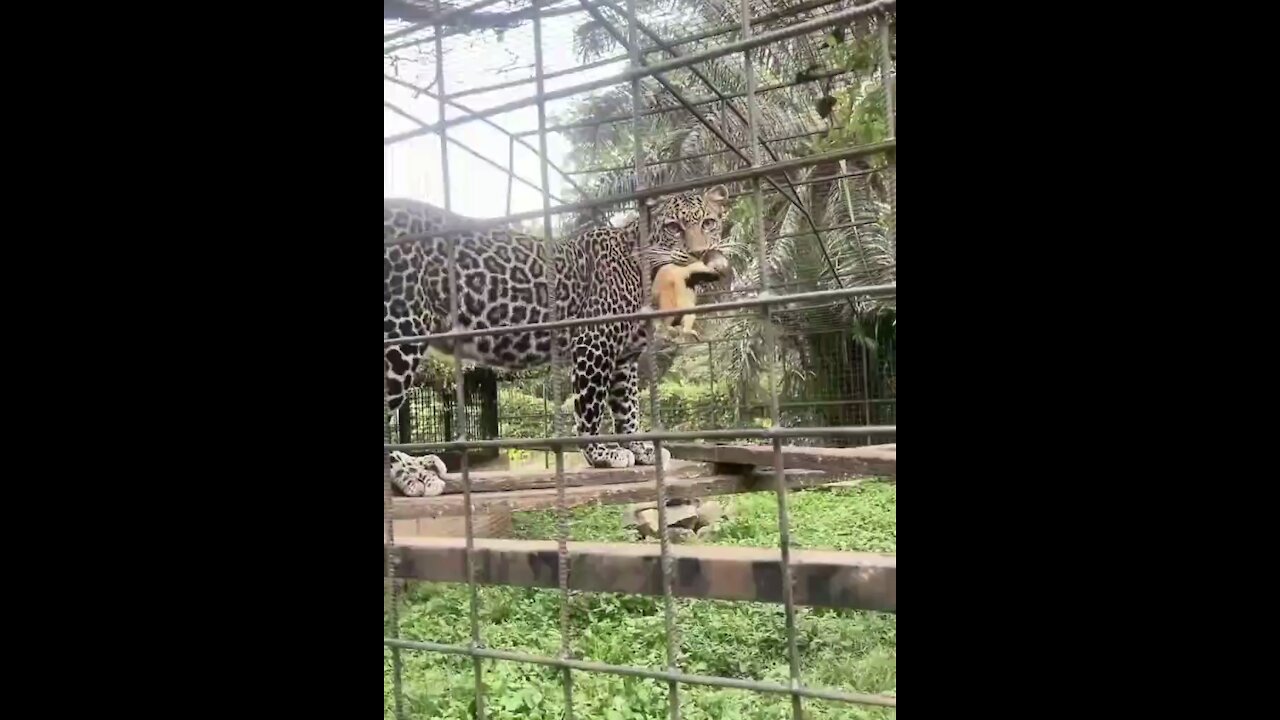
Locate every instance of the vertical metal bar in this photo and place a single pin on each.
(459, 404)
(711, 370)
(511, 169)
(771, 344)
(866, 391)
(389, 585)
(547, 421)
(404, 421)
(553, 278)
(646, 362)
(886, 76)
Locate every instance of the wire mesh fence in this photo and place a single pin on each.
(799, 345)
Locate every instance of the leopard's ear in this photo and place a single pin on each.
(717, 196)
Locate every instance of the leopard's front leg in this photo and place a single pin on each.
(624, 401)
(591, 371)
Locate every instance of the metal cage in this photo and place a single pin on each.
(849, 407)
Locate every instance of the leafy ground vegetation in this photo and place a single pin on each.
(842, 649)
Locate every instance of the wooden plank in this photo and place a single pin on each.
(879, 460)
(823, 578)
(505, 480)
(545, 499)
(485, 525)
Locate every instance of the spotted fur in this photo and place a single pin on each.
(503, 280)
(417, 476)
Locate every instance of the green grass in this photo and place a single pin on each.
(842, 649)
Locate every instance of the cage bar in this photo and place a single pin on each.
(764, 299)
(732, 176)
(647, 50)
(641, 569)
(751, 43)
(755, 685)
(729, 434)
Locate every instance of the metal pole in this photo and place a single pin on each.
(765, 298)
(732, 176)
(771, 351)
(467, 149)
(460, 407)
(646, 362)
(562, 511)
(746, 43)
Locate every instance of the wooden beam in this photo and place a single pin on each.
(504, 480)
(879, 460)
(823, 578)
(545, 499)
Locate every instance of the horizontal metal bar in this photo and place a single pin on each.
(717, 31)
(527, 81)
(824, 578)
(870, 460)
(709, 100)
(732, 176)
(488, 122)
(820, 403)
(763, 300)
(465, 148)
(815, 181)
(445, 19)
(629, 671)
(730, 434)
(696, 156)
(421, 24)
(843, 226)
(738, 46)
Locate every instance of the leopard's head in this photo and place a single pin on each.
(684, 226)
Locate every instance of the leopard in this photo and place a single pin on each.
(502, 279)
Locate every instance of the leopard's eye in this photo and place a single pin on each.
(709, 224)
(673, 227)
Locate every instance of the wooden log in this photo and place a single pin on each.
(545, 499)
(505, 480)
(878, 460)
(822, 578)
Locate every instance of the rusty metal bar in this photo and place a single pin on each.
(578, 124)
(426, 91)
(886, 76)
(771, 343)
(794, 196)
(390, 586)
(729, 434)
(651, 49)
(816, 693)
(450, 14)
(460, 405)
(763, 300)
(816, 180)
(751, 43)
(696, 156)
(453, 15)
(562, 511)
(666, 565)
(732, 176)
(509, 171)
